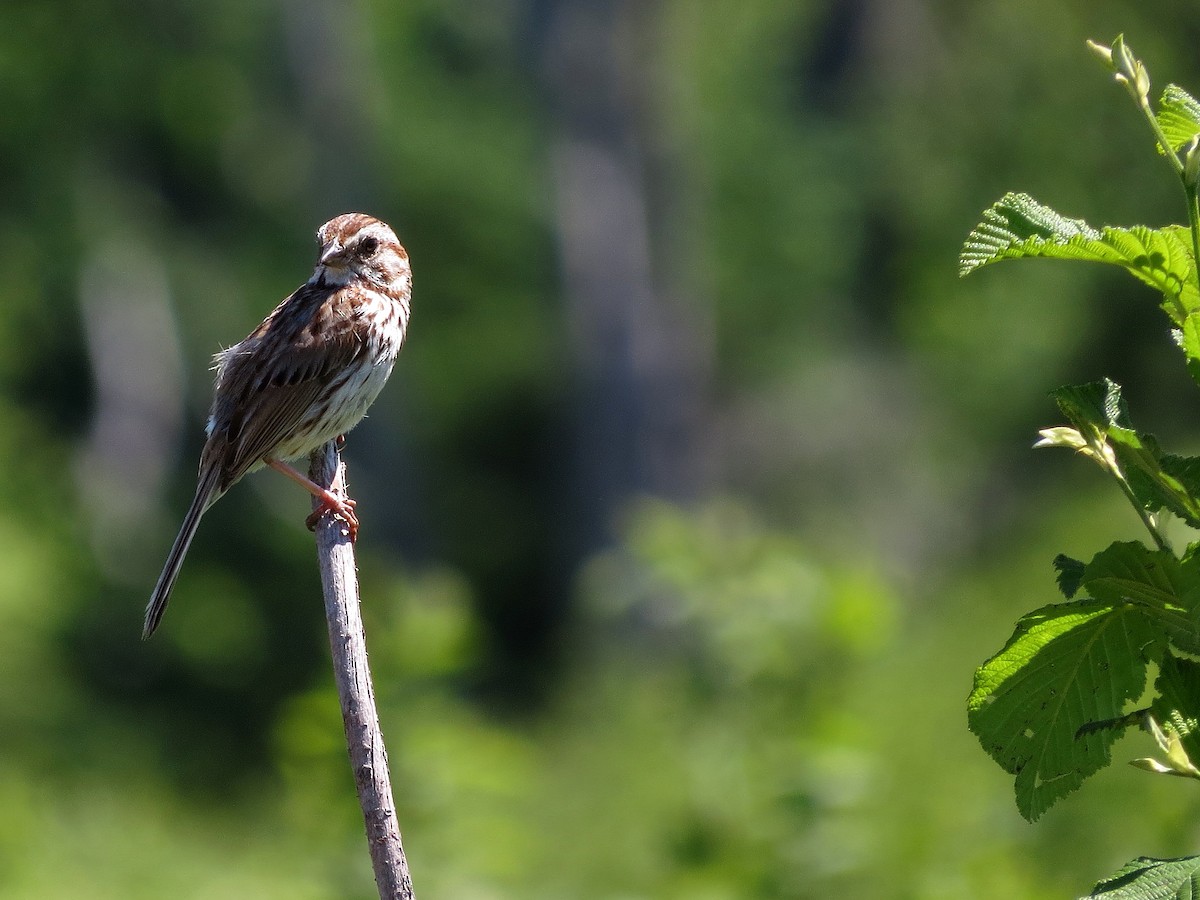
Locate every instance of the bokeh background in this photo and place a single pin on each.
(702, 485)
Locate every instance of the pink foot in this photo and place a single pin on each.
(341, 507)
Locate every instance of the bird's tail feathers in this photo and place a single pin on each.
(206, 495)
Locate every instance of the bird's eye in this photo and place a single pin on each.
(367, 246)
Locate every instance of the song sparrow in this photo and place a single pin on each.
(305, 376)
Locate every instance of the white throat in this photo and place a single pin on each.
(336, 277)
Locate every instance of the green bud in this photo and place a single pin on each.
(1123, 59)
(1169, 741)
(1104, 54)
(1061, 436)
(1191, 162)
(1130, 71)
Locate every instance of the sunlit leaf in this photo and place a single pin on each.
(1153, 879)
(1178, 116)
(1188, 337)
(1066, 666)
(1018, 226)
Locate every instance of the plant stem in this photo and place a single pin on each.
(352, 675)
(1159, 540)
(1193, 208)
(1172, 157)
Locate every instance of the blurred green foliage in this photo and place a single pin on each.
(747, 684)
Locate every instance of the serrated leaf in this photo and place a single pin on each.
(1156, 579)
(1189, 341)
(1158, 480)
(1131, 571)
(1017, 227)
(1181, 482)
(1070, 574)
(1178, 116)
(1065, 666)
(1153, 879)
(1094, 407)
(1190, 601)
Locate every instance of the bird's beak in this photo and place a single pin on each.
(335, 256)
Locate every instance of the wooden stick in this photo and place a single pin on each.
(368, 756)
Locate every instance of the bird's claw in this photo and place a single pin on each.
(342, 508)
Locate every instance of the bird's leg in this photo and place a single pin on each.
(343, 507)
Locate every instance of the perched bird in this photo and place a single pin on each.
(305, 376)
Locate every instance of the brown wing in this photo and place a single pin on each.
(268, 384)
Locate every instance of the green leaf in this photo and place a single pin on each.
(1153, 879)
(1129, 572)
(1018, 226)
(1066, 666)
(1188, 336)
(1180, 479)
(1178, 116)
(1093, 408)
(1070, 574)
(1158, 480)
